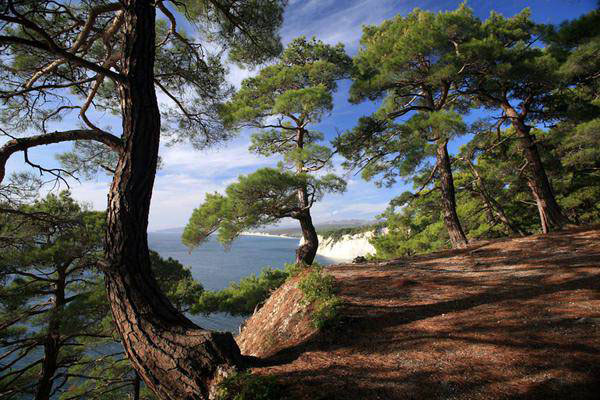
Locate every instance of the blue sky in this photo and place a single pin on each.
(188, 174)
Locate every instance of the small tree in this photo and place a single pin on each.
(481, 177)
(57, 333)
(409, 63)
(282, 101)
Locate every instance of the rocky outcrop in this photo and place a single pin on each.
(282, 322)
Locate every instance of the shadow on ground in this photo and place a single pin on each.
(510, 319)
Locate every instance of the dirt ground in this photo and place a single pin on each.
(508, 319)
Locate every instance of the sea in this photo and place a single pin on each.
(216, 267)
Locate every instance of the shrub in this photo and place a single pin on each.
(241, 298)
(246, 386)
(319, 290)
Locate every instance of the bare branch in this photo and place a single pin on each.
(22, 144)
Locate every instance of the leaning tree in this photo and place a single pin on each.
(282, 102)
(63, 61)
(408, 61)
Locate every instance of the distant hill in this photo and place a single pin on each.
(322, 227)
(291, 228)
(169, 230)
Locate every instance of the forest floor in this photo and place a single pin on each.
(506, 319)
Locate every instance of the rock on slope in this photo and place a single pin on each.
(507, 319)
(283, 321)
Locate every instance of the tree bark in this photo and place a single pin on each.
(175, 358)
(492, 204)
(551, 216)
(52, 341)
(305, 254)
(458, 239)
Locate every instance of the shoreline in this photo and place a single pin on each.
(267, 235)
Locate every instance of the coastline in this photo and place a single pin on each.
(267, 235)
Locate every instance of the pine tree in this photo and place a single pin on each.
(58, 337)
(282, 101)
(409, 63)
(61, 58)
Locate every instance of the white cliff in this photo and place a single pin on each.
(346, 247)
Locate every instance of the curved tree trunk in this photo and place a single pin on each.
(306, 253)
(551, 216)
(175, 358)
(451, 221)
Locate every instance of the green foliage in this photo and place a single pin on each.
(407, 53)
(244, 297)
(175, 281)
(51, 288)
(281, 101)
(248, 28)
(247, 386)
(503, 67)
(416, 228)
(415, 224)
(318, 289)
(241, 298)
(337, 234)
(390, 150)
(298, 87)
(255, 200)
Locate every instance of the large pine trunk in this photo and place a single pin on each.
(458, 239)
(174, 357)
(305, 254)
(551, 216)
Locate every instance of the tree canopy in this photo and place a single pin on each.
(74, 61)
(410, 63)
(281, 102)
(58, 337)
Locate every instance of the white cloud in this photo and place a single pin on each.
(340, 25)
(175, 196)
(236, 75)
(92, 193)
(214, 161)
(173, 199)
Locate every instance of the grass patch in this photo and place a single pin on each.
(246, 386)
(319, 290)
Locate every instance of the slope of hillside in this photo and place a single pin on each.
(507, 319)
